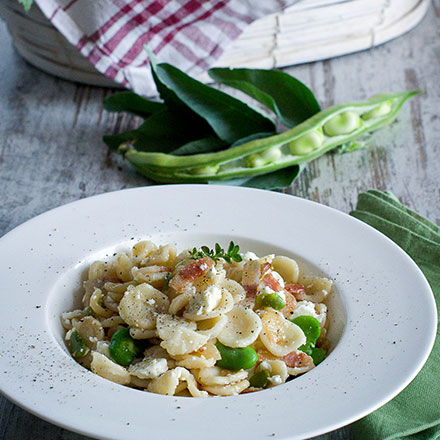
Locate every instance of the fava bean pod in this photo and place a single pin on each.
(314, 137)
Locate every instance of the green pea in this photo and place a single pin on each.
(270, 300)
(263, 158)
(379, 111)
(342, 123)
(236, 358)
(78, 347)
(311, 328)
(123, 348)
(260, 379)
(318, 355)
(306, 143)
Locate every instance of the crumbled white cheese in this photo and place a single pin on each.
(308, 308)
(102, 347)
(282, 294)
(208, 299)
(149, 368)
(266, 366)
(249, 256)
(203, 266)
(275, 380)
(212, 272)
(266, 289)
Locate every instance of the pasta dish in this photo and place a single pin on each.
(199, 323)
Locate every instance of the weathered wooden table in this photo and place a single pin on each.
(51, 151)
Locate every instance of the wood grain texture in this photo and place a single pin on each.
(51, 151)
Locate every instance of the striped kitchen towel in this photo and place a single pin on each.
(190, 34)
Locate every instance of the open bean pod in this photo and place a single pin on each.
(312, 138)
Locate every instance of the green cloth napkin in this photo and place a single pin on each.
(415, 413)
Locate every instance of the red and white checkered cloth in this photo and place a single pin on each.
(191, 34)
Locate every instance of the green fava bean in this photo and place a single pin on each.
(270, 300)
(78, 347)
(306, 143)
(208, 169)
(123, 348)
(260, 379)
(378, 112)
(236, 358)
(311, 328)
(318, 355)
(263, 158)
(343, 123)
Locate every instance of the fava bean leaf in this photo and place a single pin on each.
(165, 92)
(230, 118)
(291, 100)
(162, 132)
(114, 141)
(250, 138)
(131, 102)
(275, 180)
(204, 145)
(271, 181)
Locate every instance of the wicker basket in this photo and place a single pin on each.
(308, 31)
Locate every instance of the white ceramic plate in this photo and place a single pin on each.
(382, 318)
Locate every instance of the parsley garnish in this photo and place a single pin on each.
(233, 253)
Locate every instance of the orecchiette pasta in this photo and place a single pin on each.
(213, 326)
(97, 302)
(169, 382)
(206, 356)
(287, 268)
(198, 323)
(241, 329)
(219, 376)
(108, 369)
(279, 335)
(227, 390)
(140, 305)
